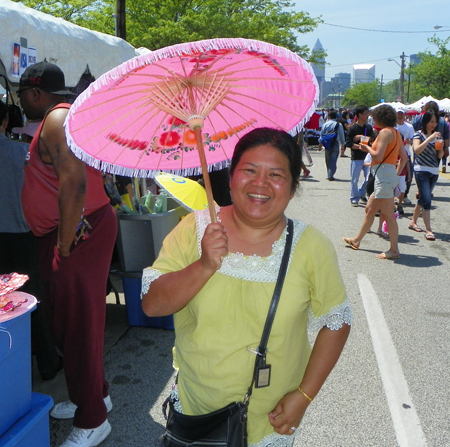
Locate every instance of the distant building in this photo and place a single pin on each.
(363, 73)
(319, 69)
(341, 81)
(414, 59)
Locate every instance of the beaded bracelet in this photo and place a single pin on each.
(304, 394)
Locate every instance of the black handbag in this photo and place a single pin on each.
(227, 426)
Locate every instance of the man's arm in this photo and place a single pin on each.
(71, 173)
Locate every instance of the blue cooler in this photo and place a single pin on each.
(15, 367)
(132, 283)
(31, 430)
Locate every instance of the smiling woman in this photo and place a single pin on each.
(228, 271)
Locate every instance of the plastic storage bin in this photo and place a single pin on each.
(15, 369)
(140, 236)
(132, 284)
(31, 430)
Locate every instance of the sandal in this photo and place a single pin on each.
(349, 242)
(388, 256)
(430, 237)
(415, 228)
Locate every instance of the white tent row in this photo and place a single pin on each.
(395, 105)
(28, 36)
(444, 104)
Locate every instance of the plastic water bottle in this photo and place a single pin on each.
(148, 201)
(163, 195)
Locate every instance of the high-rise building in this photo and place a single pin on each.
(363, 73)
(319, 68)
(342, 81)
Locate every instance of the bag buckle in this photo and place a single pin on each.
(256, 351)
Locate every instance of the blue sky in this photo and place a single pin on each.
(346, 47)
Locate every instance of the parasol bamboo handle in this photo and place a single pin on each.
(201, 153)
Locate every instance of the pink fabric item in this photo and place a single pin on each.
(133, 120)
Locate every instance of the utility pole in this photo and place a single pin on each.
(402, 76)
(120, 19)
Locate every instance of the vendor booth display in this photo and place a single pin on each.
(139, 240)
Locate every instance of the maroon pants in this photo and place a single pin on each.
(75, 299)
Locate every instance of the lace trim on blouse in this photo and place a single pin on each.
(275, 440)
(333, 320)
(272, 440)
(148, 276)
(251, 268)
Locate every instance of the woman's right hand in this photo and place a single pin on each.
(435, 135)
(214, 246)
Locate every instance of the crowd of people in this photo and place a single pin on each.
(228, 269)
(388, 148)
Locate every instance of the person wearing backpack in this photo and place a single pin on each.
(331, 138)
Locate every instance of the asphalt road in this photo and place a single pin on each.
(390, 387)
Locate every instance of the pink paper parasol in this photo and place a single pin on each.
(184, 107)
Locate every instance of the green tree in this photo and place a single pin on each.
(367, 94)
(390, 91)
(167, 22)
(431, 75)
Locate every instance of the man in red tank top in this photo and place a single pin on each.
(61, 196)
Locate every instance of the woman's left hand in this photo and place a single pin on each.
(288, 413)
(364, 147)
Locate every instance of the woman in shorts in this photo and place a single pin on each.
(385, 151)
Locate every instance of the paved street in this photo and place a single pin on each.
(390, 387)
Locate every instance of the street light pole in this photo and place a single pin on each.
(381, 88)
(402, 76)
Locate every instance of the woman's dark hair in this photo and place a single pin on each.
(279, 139)
(385, 115)
(427, 118)
(345, 115)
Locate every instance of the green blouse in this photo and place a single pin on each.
(219, 326)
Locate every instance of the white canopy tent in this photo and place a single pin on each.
(444, 104)
(69, 46)
(395, 105)
(418, 104)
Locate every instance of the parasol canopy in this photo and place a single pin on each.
(185, 106)
(188, 193)
(133, 120)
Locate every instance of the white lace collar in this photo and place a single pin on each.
(250, 268)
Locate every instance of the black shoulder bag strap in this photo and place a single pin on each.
(261, 374)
